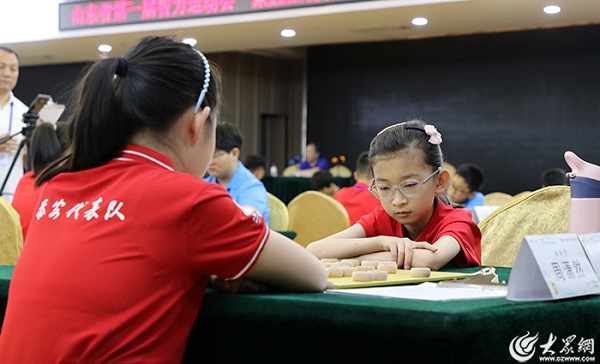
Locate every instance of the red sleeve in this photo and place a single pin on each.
(227, 240)
(378, 222)
(459, 225)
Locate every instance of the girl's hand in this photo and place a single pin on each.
(402, 249)
(243, 285)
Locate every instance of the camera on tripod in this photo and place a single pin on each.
(31, 117)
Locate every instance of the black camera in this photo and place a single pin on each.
(32, 115)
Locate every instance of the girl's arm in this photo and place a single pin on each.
(353, 243)
(348, 243)
(421, 254)
(284, 264)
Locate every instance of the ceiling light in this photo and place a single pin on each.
(104, 48)
(288, 33)
(191, 41)
(420, 21)
(552, 9)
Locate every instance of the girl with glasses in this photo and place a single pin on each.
(126, 235)
(413, 226)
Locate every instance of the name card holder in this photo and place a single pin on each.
(552, 267)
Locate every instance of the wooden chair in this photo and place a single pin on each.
(340, 170)
(11, 234)
(496, 198)
(279, 218)
(314, 215)
(544, 211)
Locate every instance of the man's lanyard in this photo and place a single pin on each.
(10, 118)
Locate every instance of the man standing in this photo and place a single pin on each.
(11, 115)
(226, 169)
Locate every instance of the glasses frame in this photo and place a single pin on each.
(458, 190)
(218, 155)
(398, 186)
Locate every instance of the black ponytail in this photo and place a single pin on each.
(149, 88)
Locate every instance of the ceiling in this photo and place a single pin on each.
(365, 21)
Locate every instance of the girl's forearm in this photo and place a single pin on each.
(342, 248)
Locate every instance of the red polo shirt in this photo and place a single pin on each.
(445, 220)
(117, 260)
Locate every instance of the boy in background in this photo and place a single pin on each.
(466, 185)
(227, 170)
(322, 181)
(357, 199)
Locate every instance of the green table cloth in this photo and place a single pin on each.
(286, 188)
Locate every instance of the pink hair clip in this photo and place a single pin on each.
(435, 136)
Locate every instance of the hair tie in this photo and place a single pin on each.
(122, 66)
(435, 137)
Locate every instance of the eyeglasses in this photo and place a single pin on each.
(409, 188)
(459, 190)
(219, 154)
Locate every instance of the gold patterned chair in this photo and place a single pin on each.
(520, 195)
(11, 234)
(340, 170)
(314, 215)
(290, 171)
(279, 218)
(496, 198)
(544, 211)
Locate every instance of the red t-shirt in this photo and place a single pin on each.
(24, 200)
(445, 220)
(357, 200)
(117, 260)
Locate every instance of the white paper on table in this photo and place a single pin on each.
(428, 291)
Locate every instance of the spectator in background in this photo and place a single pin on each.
(313, 163)
(466, 185)
(11, 115)
(47, 144)
(227, 170)
(322, 181)
(257, 165)
(357, 199)
(554, 177)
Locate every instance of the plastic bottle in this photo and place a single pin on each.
(273, 170)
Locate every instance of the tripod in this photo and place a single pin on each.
(30, 120)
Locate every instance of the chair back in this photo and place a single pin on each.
(496, 198)
(314, 215)
(544, 211)
(11, 234)
(279, 218)
(520, 195)
(340, 170)
(290, 171)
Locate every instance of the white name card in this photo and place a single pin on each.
(591, 245)
(551, 267)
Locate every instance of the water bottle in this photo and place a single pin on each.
(273, 170)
